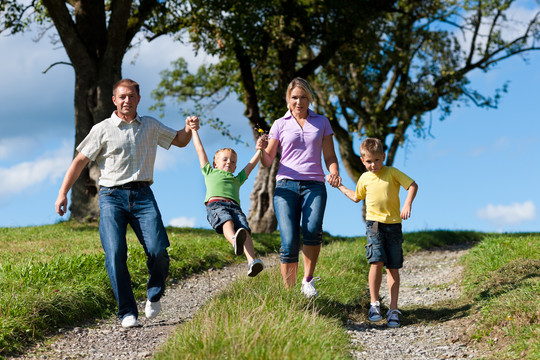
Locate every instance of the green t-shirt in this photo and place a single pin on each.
(222, 183)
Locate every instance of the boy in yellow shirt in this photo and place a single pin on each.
(379, 186)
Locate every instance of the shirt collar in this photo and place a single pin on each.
(117, 121)
(289, 115)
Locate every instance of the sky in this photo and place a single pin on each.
(476, 170)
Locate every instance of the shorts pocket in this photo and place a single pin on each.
(369, 251)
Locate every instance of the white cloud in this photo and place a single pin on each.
(512, 214)
(182, 221)
(50, 167)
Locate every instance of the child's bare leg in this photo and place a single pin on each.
(310, 254)
(228, 231)
(249, 250)
(374, 280)
(393, 280)
(288, 272)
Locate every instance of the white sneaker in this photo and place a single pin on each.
(129, 321)
(308, 288)
(152, 309)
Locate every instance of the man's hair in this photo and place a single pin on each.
(222, 150)
(371, 146)
(128, 83)
(302, 84)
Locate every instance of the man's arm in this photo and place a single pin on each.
(72, 174)
(203, 159)
(406, 210)
(183, 137)
(348, 193)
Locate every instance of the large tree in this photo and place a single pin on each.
(416, 61)
(380, 78)
(261, 46)
(95, 34)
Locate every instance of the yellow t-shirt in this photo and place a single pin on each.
(381, 193)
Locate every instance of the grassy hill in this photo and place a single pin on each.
(53, 276)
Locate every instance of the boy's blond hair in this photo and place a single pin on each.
(222, 150)
(371, 146)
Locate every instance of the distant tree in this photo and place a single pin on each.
(261, 46)
(416, 61)
(95, 34)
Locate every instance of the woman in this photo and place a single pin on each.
(300, 194)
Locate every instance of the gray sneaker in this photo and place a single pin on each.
(255, 267)
(374, 313)
(392, 320)
(239, 240)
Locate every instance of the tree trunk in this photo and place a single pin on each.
(261, 216)
(93, 103)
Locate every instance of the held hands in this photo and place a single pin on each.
(262, 142)
(333, 179)
(192, 123)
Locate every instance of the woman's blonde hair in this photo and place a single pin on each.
(302, 84)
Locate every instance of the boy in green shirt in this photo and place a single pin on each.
(223, 200)
(379, 186)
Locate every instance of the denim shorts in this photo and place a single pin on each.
(384, 244)
(299, 204)
(219, 212)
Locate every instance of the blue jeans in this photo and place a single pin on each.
(138, 208)
(299, 203)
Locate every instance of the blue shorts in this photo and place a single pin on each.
(219, 212)
(384, 244)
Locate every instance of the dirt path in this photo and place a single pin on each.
(427, 277)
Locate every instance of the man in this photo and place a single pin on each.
(124, 147)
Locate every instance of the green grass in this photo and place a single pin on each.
(53, 276)
(502, 280)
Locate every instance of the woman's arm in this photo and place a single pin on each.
(331, 161)
(269, 154)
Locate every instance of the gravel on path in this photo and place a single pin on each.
(426, 278)
(106, 339)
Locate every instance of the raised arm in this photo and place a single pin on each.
(203, 159)
(331, 161)
(72, 174)
(183, 136)
(406, 209)
(261, 144)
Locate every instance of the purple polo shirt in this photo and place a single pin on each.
(301, 148)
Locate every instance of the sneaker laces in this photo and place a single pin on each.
(393, 315)
(308, 287)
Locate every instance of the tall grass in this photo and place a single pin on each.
(503, 280)
(54, 276)
(258, 319)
